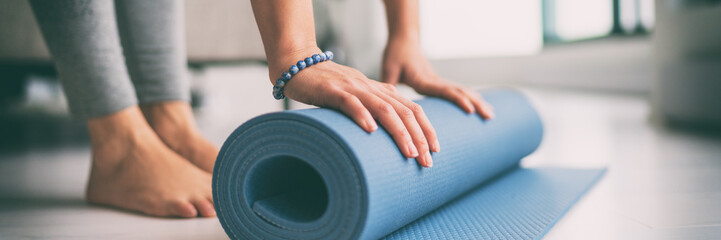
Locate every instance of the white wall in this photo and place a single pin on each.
(449, 29)
(468, 29)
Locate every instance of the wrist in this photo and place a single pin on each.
(280, 61)
(404, 40)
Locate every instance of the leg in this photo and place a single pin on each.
(152, 34)
(131, 168)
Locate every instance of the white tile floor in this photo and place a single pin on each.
(661, 184)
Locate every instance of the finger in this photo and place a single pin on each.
(391, 74)
(414, 129)
(389, 119)
(353, 107)
(425, 124)
(458, 97)
(482, 107)
(448, 92)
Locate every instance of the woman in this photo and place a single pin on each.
(121, 65)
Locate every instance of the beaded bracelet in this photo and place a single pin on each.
(294, 69)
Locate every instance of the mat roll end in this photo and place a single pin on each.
(283, 176)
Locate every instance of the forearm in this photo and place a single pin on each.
(403, 20)
(287, 30)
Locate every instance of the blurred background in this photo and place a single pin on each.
(634, 85)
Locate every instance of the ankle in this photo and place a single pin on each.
(116, 133)
(174, 117)
(124, 123)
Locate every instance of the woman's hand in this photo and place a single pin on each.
(288, 34)
(403, 62)
(332, 85)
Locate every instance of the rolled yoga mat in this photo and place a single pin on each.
(314, 174)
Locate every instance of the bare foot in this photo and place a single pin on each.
(175, 125)
(132, 169)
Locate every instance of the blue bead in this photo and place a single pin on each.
(316, 58)
(280, 82)
(294, 69)
(278, 93)
(329, 54)
(275, 91)
(286, 75)
(301, 65)
(323, 57)
(308, 61)
(278, 96)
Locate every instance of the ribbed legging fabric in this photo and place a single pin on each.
(114, 54)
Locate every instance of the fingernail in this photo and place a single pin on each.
(436, 145)
(471, 108)
(371, 125)
(429, 160)
(412, 150)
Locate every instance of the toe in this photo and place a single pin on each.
(205, 207)
(182, 209)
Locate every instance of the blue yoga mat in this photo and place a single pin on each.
(314, 174)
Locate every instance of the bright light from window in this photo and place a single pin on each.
(646, 12)
(464, 29)
(576, 19)
(629, 15)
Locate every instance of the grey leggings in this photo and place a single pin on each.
(111, 55)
